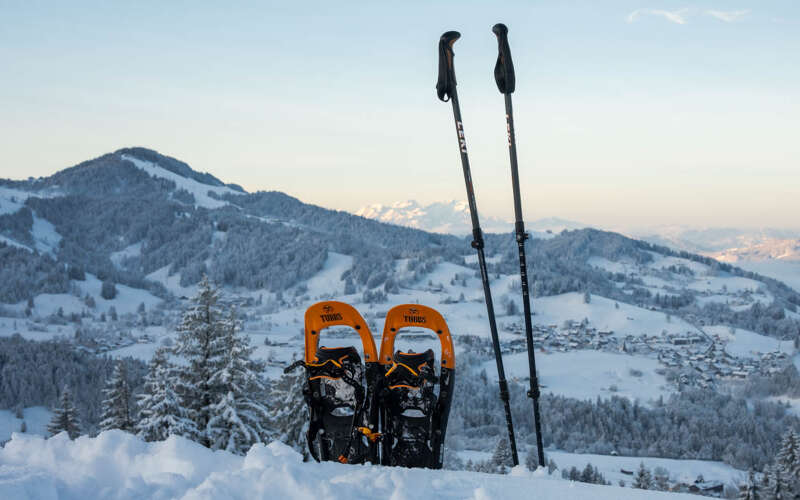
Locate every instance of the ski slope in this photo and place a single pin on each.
(120, 466)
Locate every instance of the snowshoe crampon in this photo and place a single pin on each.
(339, 389)
(413, 416)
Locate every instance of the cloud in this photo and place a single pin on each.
(673, 16)
(728, 16)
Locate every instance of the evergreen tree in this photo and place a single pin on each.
(749, 490)
(161, 413)
(238, 415)
(65, 417)
(788, 460)
(289, 414)
(501, 458)
(201, 342)
(117, 403)
(643, 479)
(661, 479)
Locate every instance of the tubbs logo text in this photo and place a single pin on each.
(413, 319)
(331, 317)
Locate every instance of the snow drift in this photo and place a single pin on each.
(119, 465)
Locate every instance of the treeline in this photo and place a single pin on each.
(693, 424)
(36, 374)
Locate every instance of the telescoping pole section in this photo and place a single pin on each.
(504, 76)
(446, 88)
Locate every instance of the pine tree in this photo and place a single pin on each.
(289, 414)
(160, 411)
(117, 403)
(749, 490)
(501, 458)
(788, 459)
(661, 479)
(238, 416)
(201, 342)
(643, 479)
(65, 417)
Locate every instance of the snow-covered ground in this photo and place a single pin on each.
(120, 466)
(36, 419)
(787, 271)
(683, 471)
(603, 314)
(588, 374)
(747, 344)
(198, 189)
(328, 280)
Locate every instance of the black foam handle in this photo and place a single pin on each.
(447, 75)
(504, 69)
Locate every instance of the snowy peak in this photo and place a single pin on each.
(452, 217)
(446, 217)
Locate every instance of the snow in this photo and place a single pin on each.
(588, 374)
(603, 315)
(11, 200)
(45, 236)
(172, 282)
(787, 271)
(14, 243)
(328, 282)
(746, 344)
(36, 419)
(126, 301)
(134, 250)
(198, 189)
(119, 465)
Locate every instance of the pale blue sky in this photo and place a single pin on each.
(628, 113)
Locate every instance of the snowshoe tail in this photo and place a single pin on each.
(340, 388)
(414, 418)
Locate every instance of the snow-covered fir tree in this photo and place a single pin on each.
(117, 403)
(65, 418)
(289, 413)
(502, 458)
(750, 490)
(239, 417)
(160, 411)
(643, 479)
(531, 460)
(201, 342)
(788, 461)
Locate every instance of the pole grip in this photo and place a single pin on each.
(447, 74)
(504, 68)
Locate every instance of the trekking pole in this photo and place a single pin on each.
(446, 88)
(504, 76)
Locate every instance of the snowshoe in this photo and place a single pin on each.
(340, 388)
(413, 416)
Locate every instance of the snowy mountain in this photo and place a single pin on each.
(449, 217)
(453, 217)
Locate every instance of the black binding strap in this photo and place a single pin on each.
(504, 69)
(447, 75)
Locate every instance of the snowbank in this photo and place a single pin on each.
(119, 465)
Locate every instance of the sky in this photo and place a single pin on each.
(627, 112)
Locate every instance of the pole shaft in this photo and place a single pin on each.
(519, 226)
(477, 243)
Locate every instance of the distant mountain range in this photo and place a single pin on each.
(147, 221)
(727, 244)
(453, 217)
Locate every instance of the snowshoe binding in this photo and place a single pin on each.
(413, 416)
(339, 388)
